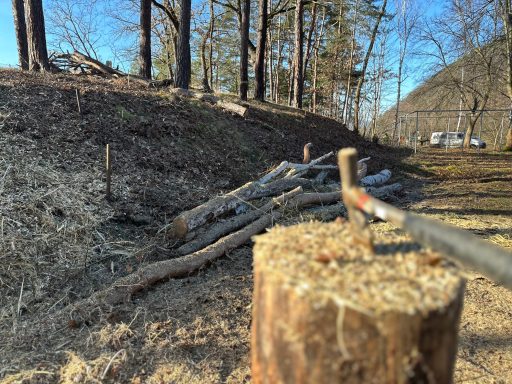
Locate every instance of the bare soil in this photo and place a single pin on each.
(60, 240)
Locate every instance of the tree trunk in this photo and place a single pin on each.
(244, 49)
(145, 39)
(357, 96)
(183, 70)
(507, 23)
(469, 131)
(320, 314)
(259, 66)
(298, 54)
(210, 47)
(309, 42)
(18, 12)
(36, 36)
(315, 65)
(204, 64)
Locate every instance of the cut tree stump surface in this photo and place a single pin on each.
(327, 310)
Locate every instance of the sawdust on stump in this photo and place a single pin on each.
(327, 309)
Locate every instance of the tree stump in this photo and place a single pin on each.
(327, 310)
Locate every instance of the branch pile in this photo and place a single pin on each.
(80, 63)
(226, 222)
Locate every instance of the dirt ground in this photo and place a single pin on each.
(472, 191)
(61, 241)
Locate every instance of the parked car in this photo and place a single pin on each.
(477, 143)
(454, 139)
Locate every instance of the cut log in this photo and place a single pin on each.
(385, 191)
(378, 179)
(217, 206)
(293, 173)
(79, 58)
(327, 310)
(233, 108)
(273, 173)
(222, 228)
(320, 178)
(314, 198)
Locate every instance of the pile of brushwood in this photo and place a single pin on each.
(226, 222)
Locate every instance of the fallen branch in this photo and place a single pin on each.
(378, 179)
(123, 289)
(215, 207)
(273, 173)
(301, 169)
(233, 108)
(385, 191)
(222, 228)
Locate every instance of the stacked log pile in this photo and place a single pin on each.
(226, 222)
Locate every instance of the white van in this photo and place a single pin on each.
(447, 139)
(454, 139)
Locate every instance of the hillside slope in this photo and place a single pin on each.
(442, 92)
(61, 240)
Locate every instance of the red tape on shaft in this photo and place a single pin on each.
(361, 201)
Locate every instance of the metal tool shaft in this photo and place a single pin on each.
(493, 261)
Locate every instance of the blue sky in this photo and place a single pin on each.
(8, 50)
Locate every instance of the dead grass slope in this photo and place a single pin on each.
(60, 240)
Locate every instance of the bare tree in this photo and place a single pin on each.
(259, 65)
(75, 25)
(298, 57)
(406, 21)
(145, 39)
(36, 36)
(506, 14)
(357, 96)
(465, 37)
(18, 12)
(183, 64)
(244, 49)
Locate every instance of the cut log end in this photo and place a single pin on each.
(326, 310)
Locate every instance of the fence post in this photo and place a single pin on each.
(416, 135)
(328, 310)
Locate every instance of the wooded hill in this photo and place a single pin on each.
(468, 83)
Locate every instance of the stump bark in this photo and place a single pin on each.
(326, 310)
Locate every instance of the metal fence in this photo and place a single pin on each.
(415, 129)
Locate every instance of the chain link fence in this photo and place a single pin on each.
(446, 128)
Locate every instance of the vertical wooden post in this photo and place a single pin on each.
(78, 101)
(108, 167)
(326, 310)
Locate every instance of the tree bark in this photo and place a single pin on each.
(223, 228)
(215, 207)
(298, 55)
(244, 49)
(204, 65)
(507, 25)
(18, 12)
(259, 66)
(36, 36)
(309, 42)
(360, 81)
(183, 70)
(311, 324)
(318, 38)
(145, 39)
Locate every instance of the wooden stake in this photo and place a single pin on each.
(347, 160)
(108, 167)
(78, 101)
